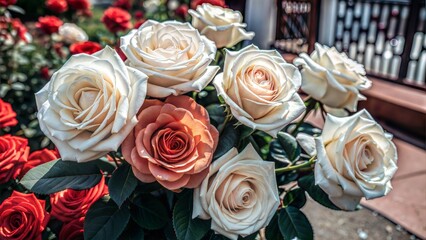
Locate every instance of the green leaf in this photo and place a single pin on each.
(149, 212)
(132, 232)
(105, 220)
(217, 114)
(272, 231)
(57, 175)
(122, 183)
(16, 9)
(295, 198)
(289, 145)
(185, 227)
(293, 224)
(227, 140)
(308, 184)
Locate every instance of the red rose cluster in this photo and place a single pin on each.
(49, 24)
(116, 19)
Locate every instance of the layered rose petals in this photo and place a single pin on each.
(173, 143)
(7, 115)
(13, 155)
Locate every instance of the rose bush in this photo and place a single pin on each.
(13, 155)
(22, 216)
(260, 89)
(332, 78)
(69, 205)
(239, 194)
(174, 56)
(223, 26)
(356, 159)
(90, 105)
(173, 143)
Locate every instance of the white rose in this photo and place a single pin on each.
(174, 55)
(89, 106)
(239, 194)
(356, 159)
(71, 33)
(221, 25)
(260, 89)
(332, 78)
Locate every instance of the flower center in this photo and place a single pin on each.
(87, 99)
(172, 146)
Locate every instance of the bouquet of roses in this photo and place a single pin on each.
(192, 138)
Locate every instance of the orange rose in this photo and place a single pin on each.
(173, 143)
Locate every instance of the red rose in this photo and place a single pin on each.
(79, 4)
(70, 204)
(124, 4)
(49, 24)
(5, 3)
(182, 11)
(139, 23)
(39, 157)
(22, 216)
(7, 115)
(21, 30)
(85, 47)
(73, 230)
(57, 6)
(195, 3)
(44, 72)
(139, 15)
(13, 155)
(116, 19)
(120, 53)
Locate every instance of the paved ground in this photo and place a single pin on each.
(362, 224)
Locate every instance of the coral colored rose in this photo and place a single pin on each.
(5, 3)
(70, 204)
(239, 194)
(223, 26)
(195, 3)
(57, 6)
(79, 4)
(39, 157)
(356, 159)
(73, 230)
(123, 4)
(49, 24)
(22, 217)
(174, 55)
(116, 19)
(7, 115)
(173, 143)
(13, 155)
(260, 88)
(89, 106)
(85, 47)
(332, 78)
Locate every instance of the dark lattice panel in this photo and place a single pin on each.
(293, 26)
(375, 33)
(417, 66)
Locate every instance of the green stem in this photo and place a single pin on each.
(296, 167)
(114, 157)
(222, 127)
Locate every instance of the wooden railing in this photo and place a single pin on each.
(387, 36)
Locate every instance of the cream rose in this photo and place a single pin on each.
(221, 25)
(260, 89)
(174, 55)
(356, 159)
(239, 194)
(89, 106)
(72, 33)
(332, 78)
